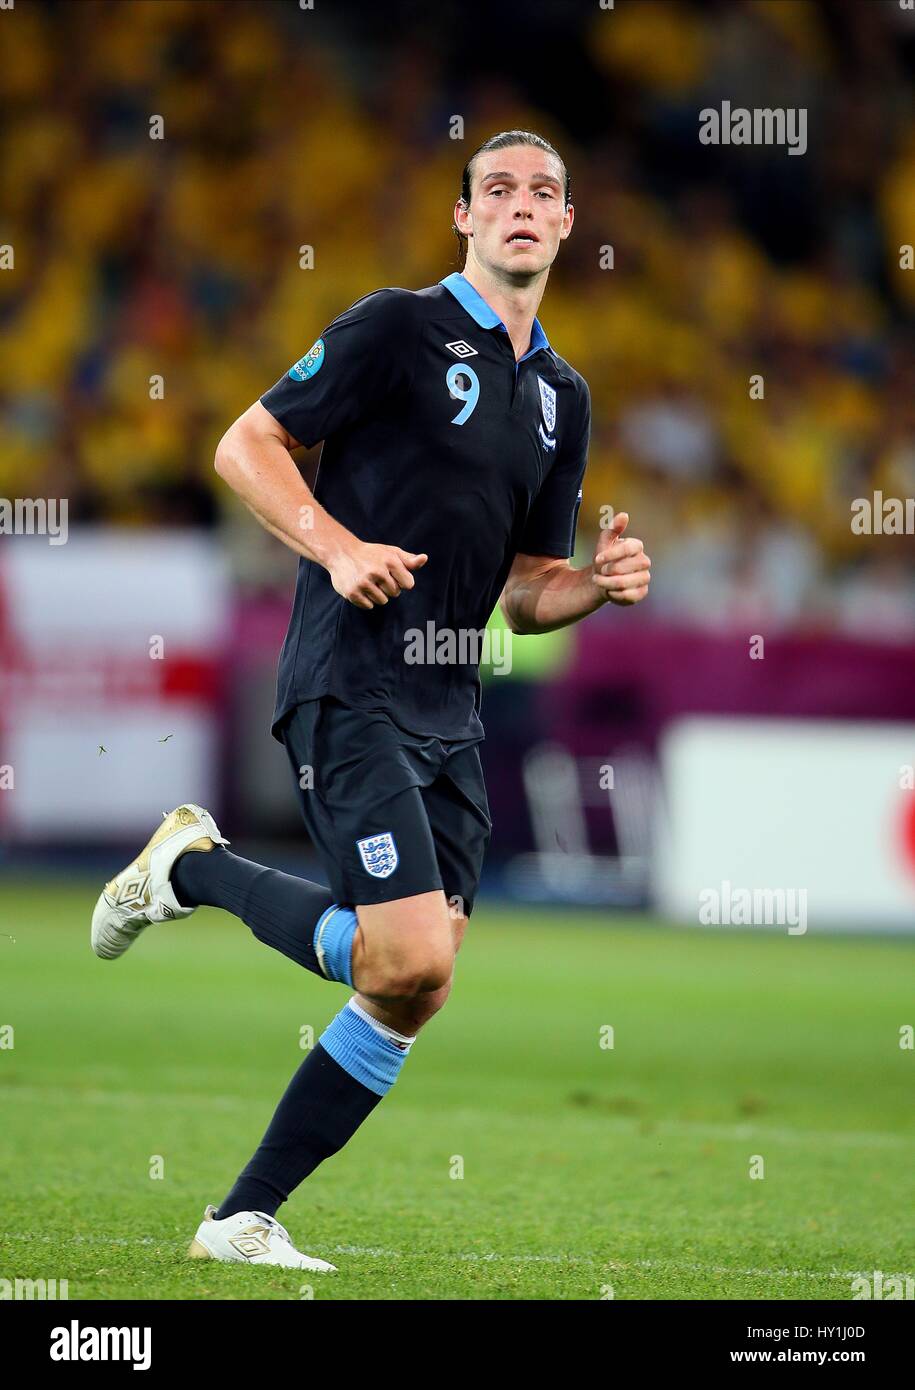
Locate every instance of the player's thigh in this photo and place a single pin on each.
(458, 811)
(430, 927)
(305, 737)
(361, 804)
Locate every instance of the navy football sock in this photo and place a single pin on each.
(281, 910)
(322, 1108)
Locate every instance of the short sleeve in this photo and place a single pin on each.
(553, 517)
(364, 356)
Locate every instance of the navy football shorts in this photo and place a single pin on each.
(391, 814)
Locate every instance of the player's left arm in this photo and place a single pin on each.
(542, 592)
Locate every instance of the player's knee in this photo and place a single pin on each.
(418, 1010)
(405, 969)
(412, 973)
(405, 949)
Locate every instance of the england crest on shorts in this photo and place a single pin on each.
(547, 404)
(378, 854)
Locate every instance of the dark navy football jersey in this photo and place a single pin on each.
(438, 441)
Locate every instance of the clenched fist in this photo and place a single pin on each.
(621, 569)
(367, 575)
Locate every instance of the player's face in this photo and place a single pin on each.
(517, 214)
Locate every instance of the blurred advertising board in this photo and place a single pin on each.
(806, 822)
(112, 658)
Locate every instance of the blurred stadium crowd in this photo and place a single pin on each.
(180, 256)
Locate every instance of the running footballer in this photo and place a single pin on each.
(455, 440)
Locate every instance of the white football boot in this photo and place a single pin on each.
(142, 893)
(250, 1237)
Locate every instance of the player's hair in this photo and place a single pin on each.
(503, 141)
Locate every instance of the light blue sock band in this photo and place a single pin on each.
(333, 942)
(362, 1051)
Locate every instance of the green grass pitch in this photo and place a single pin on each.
(587, 1171)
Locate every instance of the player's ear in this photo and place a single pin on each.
(462, 206)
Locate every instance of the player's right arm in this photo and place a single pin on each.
(254, 458)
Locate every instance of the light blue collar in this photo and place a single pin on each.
(476, 306)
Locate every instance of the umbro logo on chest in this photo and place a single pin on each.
(462, 349)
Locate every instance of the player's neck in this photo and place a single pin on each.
(516, 305)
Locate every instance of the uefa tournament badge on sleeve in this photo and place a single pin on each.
(310, 364)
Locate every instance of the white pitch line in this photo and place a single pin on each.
(621, 1266)
(494, 1256)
